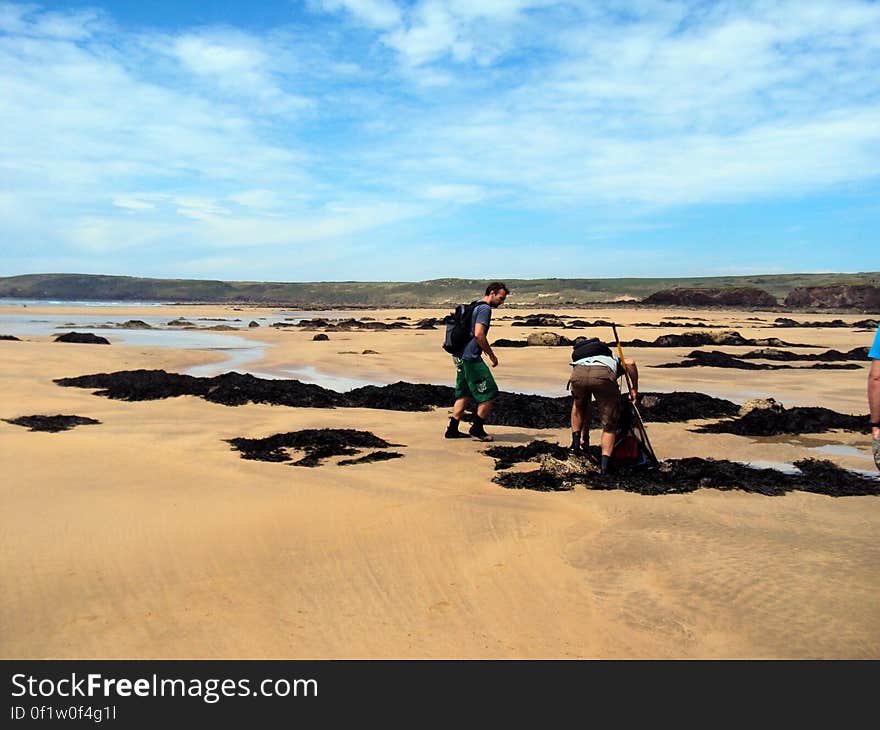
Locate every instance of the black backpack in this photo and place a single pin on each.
(589, 348)
(458, 328)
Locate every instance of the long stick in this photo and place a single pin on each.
(629, 385)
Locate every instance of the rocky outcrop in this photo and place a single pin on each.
(865, 298)
(665, 323)
(757, 404)
(344, 325)
(697, 339)
(83, 338)
(742, 296)
(547, 339)
(769, 353)
(861, 324)
(718, 359)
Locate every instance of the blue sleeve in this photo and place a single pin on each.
(874, 352)
(482, 315)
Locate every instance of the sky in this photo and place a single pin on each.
(406, 140)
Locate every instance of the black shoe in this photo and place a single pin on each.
(575, 450)
(456, 434)
(481, 435)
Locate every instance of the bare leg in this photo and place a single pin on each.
(580, 424)
(607, 442)
(484, 408)
(585, 423)
(459, 408)
(576, 419)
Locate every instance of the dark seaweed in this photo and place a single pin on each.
(372, 456)
(318, 443)
(510, 409)
(537, 480)
(767, 422)
(507, 456)
(52, 424)
(676, 476)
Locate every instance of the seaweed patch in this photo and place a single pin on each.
(511, 409)
(798, 420)
(372, 456)
(318, 444)
(51, 424)
(676, 476)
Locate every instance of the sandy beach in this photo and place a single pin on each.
(147, 536)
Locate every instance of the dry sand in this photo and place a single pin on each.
(147, 537)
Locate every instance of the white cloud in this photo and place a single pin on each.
(464, 194)
(259, 199)
(432, 33)
(211, 56)
(373, 13)
(30, 20)
(131, 203)
(235, 64)
(204, 209)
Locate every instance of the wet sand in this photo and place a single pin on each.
(147, 536)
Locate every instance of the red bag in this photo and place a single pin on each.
(627, 451)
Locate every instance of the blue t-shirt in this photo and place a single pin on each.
(874, 352)
(482, 314)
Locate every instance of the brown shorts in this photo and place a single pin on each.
(598, 381)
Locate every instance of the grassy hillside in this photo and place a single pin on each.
(533, 292)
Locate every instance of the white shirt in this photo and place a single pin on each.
(609, 362)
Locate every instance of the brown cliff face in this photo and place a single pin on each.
(742, 296)
(863, 297)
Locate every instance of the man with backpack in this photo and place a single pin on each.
(595, 371)
(466, 341)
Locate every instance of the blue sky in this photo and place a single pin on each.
(391, 140)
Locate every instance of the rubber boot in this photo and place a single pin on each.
(452, 431)
(477, 430)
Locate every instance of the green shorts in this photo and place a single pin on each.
(473, 380)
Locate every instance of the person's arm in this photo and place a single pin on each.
(874, 396)
(633, 372)
(480, 331)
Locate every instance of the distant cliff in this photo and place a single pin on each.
(435, 292)
(737, 296)
(864, 298)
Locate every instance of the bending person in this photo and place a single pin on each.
(595, 371)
